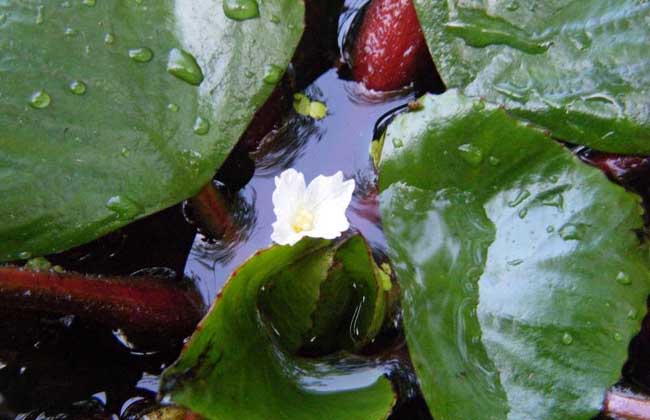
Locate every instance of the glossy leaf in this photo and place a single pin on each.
(522, 276)
(241, 361)
(578, 68)
(101, 121)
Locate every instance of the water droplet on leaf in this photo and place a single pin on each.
(183, 65)
(173, 107)
(89, 3)
(471, 154)
(39, 15)
(141, 55)
(109, 38)
(272, 74)
(623, 278)
(567, 339)
(494, 161)
(40, 99)
(512, 6)
(201, 126)
(241, 9)
(70, 32)
(572, 232)
(123, 207)
(397, 142)
(519, 198)
(77, 87)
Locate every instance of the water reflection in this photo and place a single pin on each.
(341, 141)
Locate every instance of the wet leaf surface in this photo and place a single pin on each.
(101, 118)
(242, 362)
(523, 279)
(577, 68)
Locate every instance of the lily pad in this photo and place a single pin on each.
(523, 278)
(115, 110)
(242, 363)
(577, 68)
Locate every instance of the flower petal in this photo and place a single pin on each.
(328, 198)
(323, 189)
(289, 193)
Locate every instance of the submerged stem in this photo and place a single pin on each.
(139, 305)
(212, 212)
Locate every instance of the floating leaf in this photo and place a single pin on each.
(241, 362)
(578, 68)
(101, 123)
(509, 267)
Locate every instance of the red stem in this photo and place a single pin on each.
(211, 211)
(138, 305)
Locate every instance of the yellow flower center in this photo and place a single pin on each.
(303, 220)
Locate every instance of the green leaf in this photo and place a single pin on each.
(241, 361)
(100, 119)
(522, 276)
(577, 68)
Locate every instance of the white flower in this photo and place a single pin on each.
(317, 210)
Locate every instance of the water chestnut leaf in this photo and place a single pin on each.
(577, 68)
(510, 266)
(140, 100)
(241, 362)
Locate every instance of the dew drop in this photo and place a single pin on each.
(272, 74)
(173, 107)
(40, 99)
(183, 65)
(24, 255)
(77, 87)
(123, 207)
(275, 19)
(632, 314)
(567, 339)
(201, 126)
(494, 161)
(109, 38)
(617, 337)
(397, 142)
(550, 229)
(471, 154)
(522, 213)
(70, 32)
(39, 15)
(141, 55)
(192, 159)
(572, 232)
(623, 278)
(554, 200)
(512, 6)
(241, 9)
(519, 198)
(89, 3)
